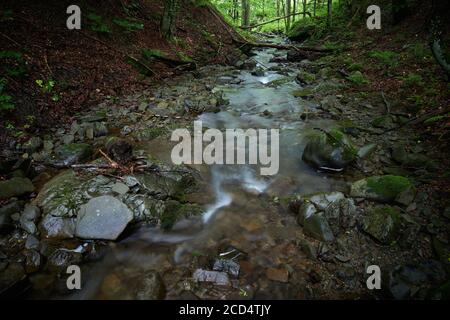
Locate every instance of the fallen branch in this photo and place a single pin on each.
(273, 20)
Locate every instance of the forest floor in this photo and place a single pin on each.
(77, 69)
(261, 239)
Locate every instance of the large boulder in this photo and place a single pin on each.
(15, 187)
(387, 188)
(301, 31)
(331, 150)
(103, 217)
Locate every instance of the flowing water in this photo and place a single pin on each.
(242, 212)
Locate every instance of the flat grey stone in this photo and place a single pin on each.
(103, 217)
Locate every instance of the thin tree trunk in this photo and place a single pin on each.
(168, 19)
(245, 13)
(288, 17)
(330, 13)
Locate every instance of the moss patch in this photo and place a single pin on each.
(388, 186)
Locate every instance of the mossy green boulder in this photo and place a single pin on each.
(383, 224)
(386, 188)
(15, 187)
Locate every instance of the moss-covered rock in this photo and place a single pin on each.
(72, 153)
(14, 187)
(382, 223)
(387, 188)
(301, 31)
(317, 227)
(332, 150)
(176, 211)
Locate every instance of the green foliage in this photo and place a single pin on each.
(7, 15)
(97, 24)
(412, 79)
(357, 78)
(436, 119)
(6, 101)
(47, 87)
(153, 53)
(388, 58)
(184, 57)
(129, 25)
(388, 186)
(12, 63)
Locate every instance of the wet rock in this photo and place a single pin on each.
(120, 188)
(309, 249)
(61, 197)
(145, 208)
(306, 210)
(57, 227)
(32, 242)
(28, 226)
(258, 72)
(305, 78)
(406, 282)
(366, 150)
(68, 138)
(7, 211)
(32, 261)
(100, 129)
(150, 287)
(72, 153)
(126, 130)
(323, 200)
(11, 276)
(218, 278)
(31, 212)
(411, 160)
(279, 275)
(15, 187)
(229, 266)
(119, 149)
(317, 227)
(103, 217)
(384, 122)
(60, 259)
(48, 146)
(383, 223)
(340, 214)
(296, 56)
(329, 151)
(301, 32)
(33, 144)
(385, 188)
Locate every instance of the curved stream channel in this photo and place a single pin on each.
(243, 219)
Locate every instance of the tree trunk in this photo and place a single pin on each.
(330, 13)
(288, 17)
(168, 19)
(245, 13)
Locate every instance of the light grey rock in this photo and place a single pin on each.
(57, 227)
(103, 217)
(216, 277)
(120, 188)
